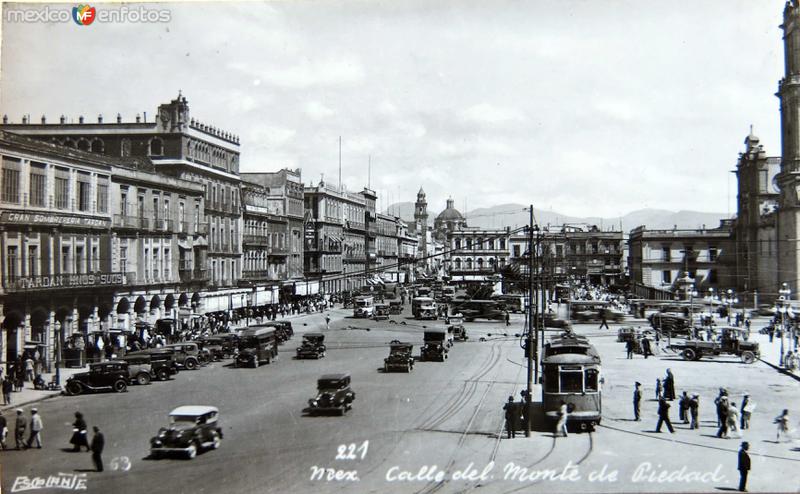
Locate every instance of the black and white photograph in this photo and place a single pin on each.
(400, 246)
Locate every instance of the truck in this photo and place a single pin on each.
(399, 358)
(434, 348)
(731, 341)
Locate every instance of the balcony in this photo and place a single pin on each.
(255, 240)
(279, 251)
(162, 225)
(13, 284)
(222, 207)
(201, 228)
(354, 225)
(330, 247)
(354, 258)
(131, 222)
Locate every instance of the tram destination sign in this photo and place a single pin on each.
(68, 281)
(53, 219)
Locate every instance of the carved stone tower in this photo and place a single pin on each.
(788, 179)
(421, 221)
(173, 116)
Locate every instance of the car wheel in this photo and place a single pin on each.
(143, 379)
(748, 357)
(120, 386)
(216, 441)
(385, 368)
(255, 363)
(74, 388)
(163, 374)
(342, 410)
(191, 452)
(190, 364)
(688, 354)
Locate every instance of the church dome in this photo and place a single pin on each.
(450, 214)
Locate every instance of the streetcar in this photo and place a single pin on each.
(571, 373)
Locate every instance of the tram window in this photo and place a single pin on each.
(551, 380)
(571, 382)
(591, 379)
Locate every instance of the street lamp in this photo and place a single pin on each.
(687, 283)
(730, 301)
(58, 352)
(782, 305)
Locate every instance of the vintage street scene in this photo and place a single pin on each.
(400, 247)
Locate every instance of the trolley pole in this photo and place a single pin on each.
(530, 346)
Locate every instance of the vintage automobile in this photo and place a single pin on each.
(191, 428)
(140, 371)
(395, 307)
(312, 346)
(400, 358)
(220, 346)
(162, 361)
(457, 329)
(257, 344)
(283, 330)
(626, 333)
(381, 312)
(435, 348)
(428, 311)
(113, 375)
(333, 395)
(187, 354)
(364, 306)
(553, 321)
(731, 340)
(670, 323)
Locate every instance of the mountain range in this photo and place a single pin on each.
(516, 215)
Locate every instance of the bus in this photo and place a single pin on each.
(418, 302)
(512, 303)
(363, 306)
(257, 344)
(571, 372)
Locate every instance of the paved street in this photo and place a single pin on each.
(443, 416)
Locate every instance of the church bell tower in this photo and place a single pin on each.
(421, 222)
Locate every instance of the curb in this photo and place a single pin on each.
(781, 370)
(14, 406)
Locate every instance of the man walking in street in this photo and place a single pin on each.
(36, 429)
(744, 466)
(694, 411)
(683, 408)
(98, 442)
(8, 386)
(669, 386)
(561, 425)
(646, 347)
(723, 406)
(603, 321)
(508, 318)
(637, 400)
(748, 406)
(663, 416)
(327, 321)
(19, 429)
(629, 348)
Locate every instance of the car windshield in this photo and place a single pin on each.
(329, 385)
(183, 421)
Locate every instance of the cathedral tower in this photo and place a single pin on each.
(421, 222)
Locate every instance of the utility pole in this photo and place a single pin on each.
(530, 346)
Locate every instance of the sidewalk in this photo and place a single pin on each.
(28, 395)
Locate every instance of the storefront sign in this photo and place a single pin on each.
(68, 281)
(53, 219)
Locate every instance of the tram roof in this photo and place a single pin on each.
(572, 358)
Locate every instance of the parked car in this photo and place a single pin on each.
(399, 358)
(162, 362)
(191, 428)
(312, 346)
(221, 346)
(333, 395)
(187, 354)
(140, 371)
(104, 376)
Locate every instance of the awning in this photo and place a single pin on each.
(184, 245)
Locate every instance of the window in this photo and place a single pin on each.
(155, 208)
(571, 381)
(84, 192)
(156, 147)
(65, 260)
(591, 379)
(36, 189)
(12, 257)
(33, 254)
(458, 263)
(665, 254)
(123, 202)
(11, 169)
(141, 206)
(667, 276)
(167, 264)
(712, 254)
(458, 243)
(181, 217)
(123, 259)
(78, 260)
(516, 251)
(62, 188)
(102, 194)
(763, 182)
(95, 259)
(502, 244)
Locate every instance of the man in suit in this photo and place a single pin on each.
(744, 466)
(663, 415)
(637, 400)
(98, 442)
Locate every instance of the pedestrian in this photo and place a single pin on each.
(98, 443)
(8, 386)
(646, 347)
(327, 321)
(694, 411)
(733, 419)
(508, 318)
(36, 429)
(743, 466)
(748, 407)
(512, 417)
(669, 386)
(663, 416)
(19, 429)
(658, 389)
(3, 432)
(80, 436)
(603, 321)
(722, 393)
(561, 425)
(637, 400)
(723, 410)
(29, 369)
(782, 421)
(629, 348)
(683, 407)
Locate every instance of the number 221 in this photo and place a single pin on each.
(348, 451)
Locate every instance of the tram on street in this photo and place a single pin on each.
(571, 373)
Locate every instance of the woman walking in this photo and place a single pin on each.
(782, 422)
(79, 433)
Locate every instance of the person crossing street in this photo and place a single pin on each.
(663, 416)
(637, 401)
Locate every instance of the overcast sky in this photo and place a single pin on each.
(582, 107)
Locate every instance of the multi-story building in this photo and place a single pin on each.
(476, 254)
(179, 146)
(407, 248)
(324, 238)
(386, 244)
(658, 258)
(755, 223)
